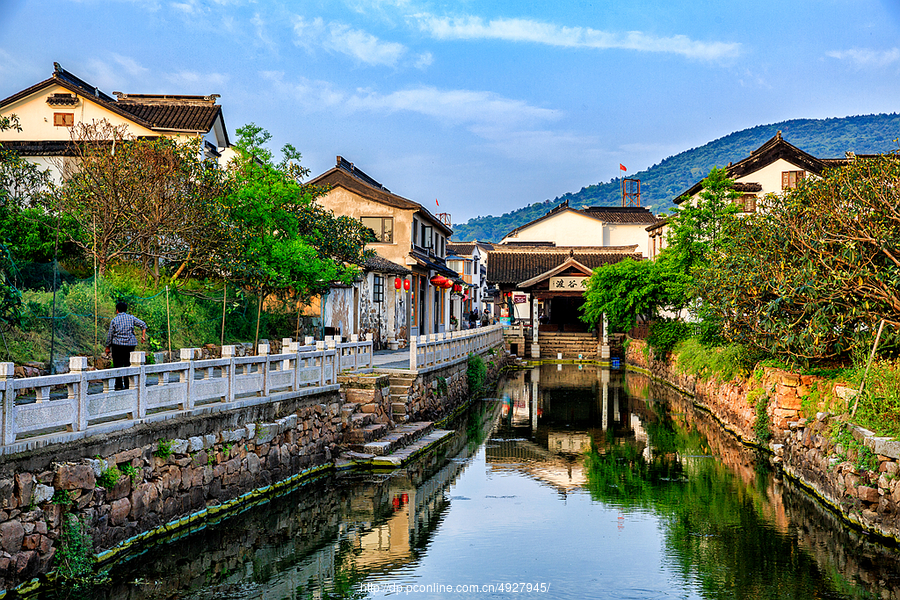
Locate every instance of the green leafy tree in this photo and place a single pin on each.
(813, 272)
(630, 289)
(278, 240)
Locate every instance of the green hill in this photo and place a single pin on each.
(663, 182)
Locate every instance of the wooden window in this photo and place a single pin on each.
(382, 227)
(427, 236)
(790, 179)
(746, 203)
(415, 232)
(378, 289)
(63, 119)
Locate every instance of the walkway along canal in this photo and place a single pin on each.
(191, 441)
(576, 482)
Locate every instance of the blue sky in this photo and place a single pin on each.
(485, 106)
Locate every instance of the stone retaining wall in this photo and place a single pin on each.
(804, 445)
(181, 470)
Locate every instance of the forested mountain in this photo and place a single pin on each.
(663, 182)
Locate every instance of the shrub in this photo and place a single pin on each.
(762, 426)
(476, 373)
(163, 449)
(665, 334)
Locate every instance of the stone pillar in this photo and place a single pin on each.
(604, 346)
(189, 355)
(229, 352)
(7, 376)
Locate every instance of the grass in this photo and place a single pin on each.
(195, 313)
(879, 405)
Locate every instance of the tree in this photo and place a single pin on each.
(278, 240)
(631, 289)
(695, 227)
(811, 275)
(155, 200)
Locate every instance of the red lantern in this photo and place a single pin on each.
(448, 284)
(397, 283)
(438, 280)
(406, 284)
(457, 288)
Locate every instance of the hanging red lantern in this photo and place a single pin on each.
(448, 284)
(406, 284)
(438, 280)
(457, 288)
(397, 283)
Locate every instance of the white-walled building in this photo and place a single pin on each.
(47, 111)
(595, 226)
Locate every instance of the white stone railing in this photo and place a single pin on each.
(82, 399)
(438, 348)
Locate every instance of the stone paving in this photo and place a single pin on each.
(391, 359)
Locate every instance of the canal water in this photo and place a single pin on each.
(576, 482)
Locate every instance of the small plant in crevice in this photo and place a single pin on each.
(441, 387)
(129, 470)
(226, 450)
(164, 449)
(762, 426)
(62, 497)
(109, 477)
(848, 448)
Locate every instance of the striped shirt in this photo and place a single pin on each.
(121, 330)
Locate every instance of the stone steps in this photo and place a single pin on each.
(401, 436)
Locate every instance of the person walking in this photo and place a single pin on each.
(121, 341)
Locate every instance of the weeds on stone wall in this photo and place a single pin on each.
(476, 374)
(163, 449)
(109, 477)
(74, 561)
(848, 448)
(762, 425)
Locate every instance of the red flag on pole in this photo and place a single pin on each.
(622, 167)
(436, 203)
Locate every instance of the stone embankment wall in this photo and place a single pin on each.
(178, 472)
(804, 445)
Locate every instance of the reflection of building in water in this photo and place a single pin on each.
(562, 472)
(554, 397)
(553, 414)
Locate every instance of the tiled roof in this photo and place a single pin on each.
(347, 176)
(620, 214)
(513, 265)
(772, 150)
(180, 117)
(383, 265)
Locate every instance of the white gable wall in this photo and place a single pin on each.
(570, 228)
(36, 117)
(566, 228)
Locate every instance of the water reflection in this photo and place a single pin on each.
(598, 484)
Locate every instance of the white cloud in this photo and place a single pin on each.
(527, 30)
(199, 83)
(130, 65)
(363, 46)
(866, 57)
(455, 106)
(480, 111)
(356, 43)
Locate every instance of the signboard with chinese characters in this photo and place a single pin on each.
(519, 298)
(568, 284)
